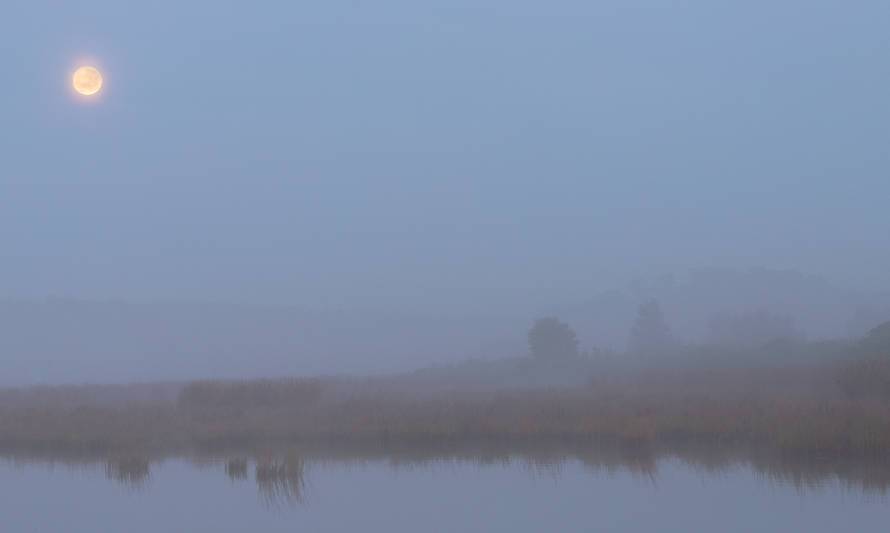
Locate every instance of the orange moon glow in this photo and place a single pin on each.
(87, 81)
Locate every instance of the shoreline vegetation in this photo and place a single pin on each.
(833, 409)
(791, 410)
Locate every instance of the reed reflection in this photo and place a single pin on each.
(280, 475)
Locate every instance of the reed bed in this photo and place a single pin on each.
(796, 411)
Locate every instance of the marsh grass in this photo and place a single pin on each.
(234, 397)
(796, 411)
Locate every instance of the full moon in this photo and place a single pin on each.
(87, 81)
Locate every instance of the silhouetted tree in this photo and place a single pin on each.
(549, 338)
(865, 319)
(650, 332)
(877, 342)
(868, 374)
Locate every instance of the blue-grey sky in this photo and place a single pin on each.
(475, 155)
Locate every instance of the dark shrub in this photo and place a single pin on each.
(248, 395)
(549, 338)
(869, 373)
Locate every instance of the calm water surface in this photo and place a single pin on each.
(178, 495)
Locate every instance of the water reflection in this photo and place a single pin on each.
(280, 473)
(132, 472)
(280, 480)
(236, 469)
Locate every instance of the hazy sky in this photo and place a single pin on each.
(461, 154)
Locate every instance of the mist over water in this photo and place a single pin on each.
(63, 340)
(469, 265)
(333, 188)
